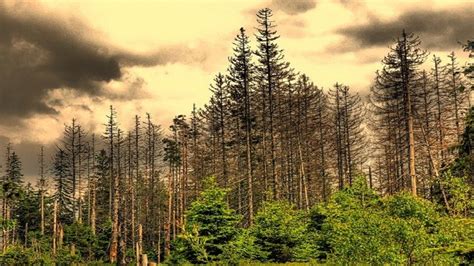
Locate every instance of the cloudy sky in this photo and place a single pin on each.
(65, 59)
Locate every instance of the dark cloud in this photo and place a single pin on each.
(437, 28)
(293, 7)
(40, 52)
(165, 55)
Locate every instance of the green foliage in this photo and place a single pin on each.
(16, 255)
(41, 244)
(455, 239)
(65, 257)
(459, 195)
(278, 230)
(210, 226)
(354, 237)
(357, 196)
(467, 143)
(464, 164)
(189, 247)
(104, 232)
(7, 224)
(357, 227)
(80, 236)
(243, 247)
(26, 211)
(405, 206)
(19, 255)
(12, 189)
(412, 227)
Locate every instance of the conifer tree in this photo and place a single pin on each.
(271, 71)
(240, 77)
(63, 185)
(396, 86)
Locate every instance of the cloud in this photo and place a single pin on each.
(29, 156)
(352, 4)
(166, 55)
(437, 28)
(293, 27)
(41, 52)
(293, 7)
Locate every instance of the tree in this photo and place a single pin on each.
(173, 158)
(393, 95)
(360, 227)
(14, 176)
(219, 111)
(350, 142)
(12, 193)
(278, 231)
(458, 95)
(112, 136)
(63, 185)
(270, 73)
(42, 187)
(210, 226)
(240, 78)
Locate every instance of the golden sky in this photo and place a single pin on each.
(65, 59)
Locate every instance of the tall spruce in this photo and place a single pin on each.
(271, 72)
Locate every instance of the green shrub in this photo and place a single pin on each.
(210, 226)
(278, 230)
(81, 237)
(16, 255)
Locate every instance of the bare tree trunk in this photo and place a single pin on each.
(339, 140)
(113, 249)
(249, 163)
(42, 189)
(304, 189)
(321, 147)
(93, 193)
(74, 169)
(158, 255)
(347, 137)
(79, 174)
(411, 135)
(170, 203)
(140, 239)
(26, 235)
(55, 226)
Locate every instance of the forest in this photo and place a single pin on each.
(273, 169)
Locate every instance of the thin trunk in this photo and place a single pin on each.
(55, 226)
(411, 135)
(93, 189)
(42, 184)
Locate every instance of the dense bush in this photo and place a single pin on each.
(356, 226)
(278, 231)
(80, 236)
(210, 226)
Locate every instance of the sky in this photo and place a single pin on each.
(73, 59)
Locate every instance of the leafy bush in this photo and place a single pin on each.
(278, 230)
(16, 255)
(81, 237)
(243, 247)
(210, 226)
(64, 257)
(358, 227)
